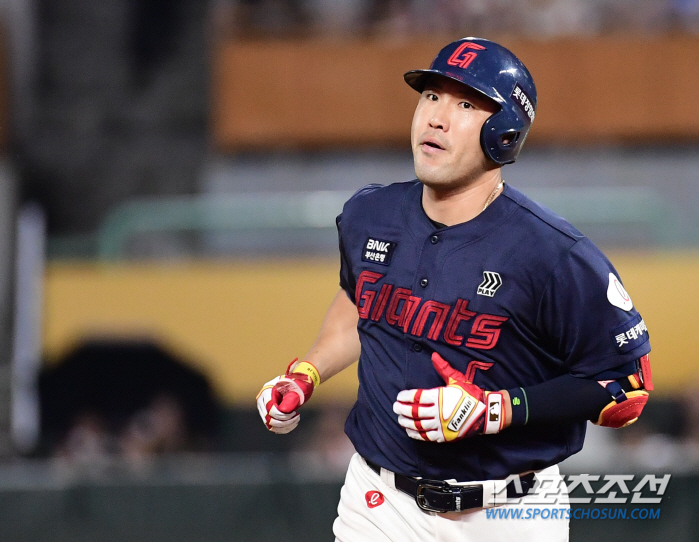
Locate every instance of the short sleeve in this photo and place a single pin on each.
(347, 281)
(343, 222)
(586, 316)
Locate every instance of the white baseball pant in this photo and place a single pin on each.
(371, 509)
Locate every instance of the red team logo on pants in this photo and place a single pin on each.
(373, 499)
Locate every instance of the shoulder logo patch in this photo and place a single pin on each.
(378, 251)
(491, 282)
(616, 294)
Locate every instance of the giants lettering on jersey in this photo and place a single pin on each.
(400, 308)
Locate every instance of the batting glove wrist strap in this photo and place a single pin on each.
(307, 368)
(495, 417)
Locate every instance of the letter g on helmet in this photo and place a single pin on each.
(496, 72)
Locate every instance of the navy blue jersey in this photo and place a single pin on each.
(515, 297)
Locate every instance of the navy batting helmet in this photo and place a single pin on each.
(494, 71)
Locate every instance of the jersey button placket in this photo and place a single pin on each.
(427, 260)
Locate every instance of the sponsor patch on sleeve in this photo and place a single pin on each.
(378, 251)
(630, 335)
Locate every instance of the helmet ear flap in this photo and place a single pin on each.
(509, 138)
(499, 140)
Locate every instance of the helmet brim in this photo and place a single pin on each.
(417, 79)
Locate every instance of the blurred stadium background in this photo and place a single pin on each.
(169, 178)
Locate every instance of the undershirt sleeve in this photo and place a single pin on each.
(562, 399)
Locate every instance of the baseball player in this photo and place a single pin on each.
(488, 329)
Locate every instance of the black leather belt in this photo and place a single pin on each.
(440, 496)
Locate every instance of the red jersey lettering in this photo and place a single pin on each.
(368, 296)
(440, 310)
(488, 335)
(402, 309)
(460, 314)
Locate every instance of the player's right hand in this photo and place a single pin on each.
(447, 413)
(279, 398)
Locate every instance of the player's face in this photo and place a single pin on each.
(445, 134)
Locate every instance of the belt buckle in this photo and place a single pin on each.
(437, 485)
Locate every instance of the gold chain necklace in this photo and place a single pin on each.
(492, 195)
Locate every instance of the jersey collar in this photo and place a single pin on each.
(420, 225)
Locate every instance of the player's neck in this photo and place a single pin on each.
(455, 206)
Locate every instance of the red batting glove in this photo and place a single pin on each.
(279, 398)
(451, 412)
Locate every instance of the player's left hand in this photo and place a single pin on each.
(450, 412)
